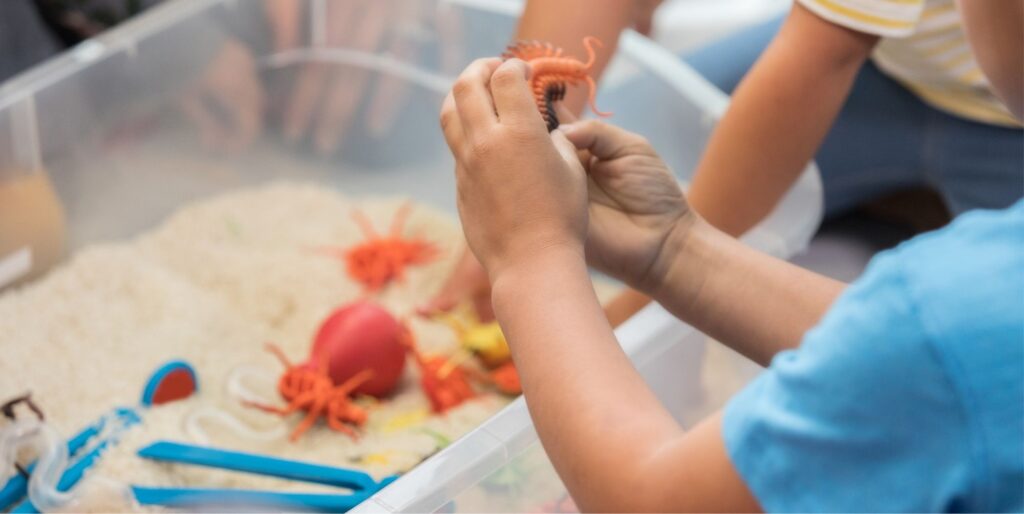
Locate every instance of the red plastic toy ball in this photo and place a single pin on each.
(360, 336)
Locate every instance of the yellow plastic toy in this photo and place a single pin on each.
(485, 340)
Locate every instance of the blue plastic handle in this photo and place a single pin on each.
(71, 476)
(15, 489)
(362, 484)
(235, 499)
(259, 464)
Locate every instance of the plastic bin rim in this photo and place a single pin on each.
(125, 36)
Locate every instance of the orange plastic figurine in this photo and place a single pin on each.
(381, 260)
(487, 343)
(506, 379)
(311, 390)
(551, 72)
(442, 379)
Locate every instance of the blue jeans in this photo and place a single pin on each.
(886, 139)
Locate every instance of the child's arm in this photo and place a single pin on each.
(755, 304)
(779, 115)
(995, 30)
(526, 210)
(523, 203)
(564, 23)
(614, 445)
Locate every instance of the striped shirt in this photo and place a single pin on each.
(924, 48)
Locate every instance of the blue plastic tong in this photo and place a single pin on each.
(362, 485)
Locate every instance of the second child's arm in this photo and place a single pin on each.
(564, 23)
(641, 233)
(995, 30)
(754, 303)
(779, 116)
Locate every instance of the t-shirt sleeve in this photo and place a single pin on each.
(886, 18)
(862, 417)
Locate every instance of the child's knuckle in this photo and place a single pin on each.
(481, 148)
(506, 76)
(447, 118)
(637, 144)
(461, 87)
(519, 131)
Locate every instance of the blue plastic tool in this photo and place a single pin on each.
(174, 380)
(361, 485)
(167, 379)
(15, 489)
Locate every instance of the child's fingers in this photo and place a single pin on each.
(210, 129)
(604, 141)
(451, 126)
(337, 109)
(512, 96)
(285, 20)
(472, 99)
(566, 149)
(312, 81)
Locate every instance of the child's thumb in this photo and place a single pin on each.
(602, 140)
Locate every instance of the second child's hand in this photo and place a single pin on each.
(643, 232)
(635, 202)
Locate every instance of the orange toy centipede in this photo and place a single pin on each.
(551, 72)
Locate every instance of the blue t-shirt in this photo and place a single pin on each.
(909, 395)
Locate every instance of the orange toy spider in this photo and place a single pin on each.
(312, 391)
(551, 72)
(442, 379)
(383, 259)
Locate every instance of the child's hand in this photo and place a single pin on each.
(636, 205)
(522, 193)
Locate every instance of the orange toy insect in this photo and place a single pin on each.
(383, 259)
(311, 390)
(442, 379)
(487, 343)
(551, 72)
(506, 379)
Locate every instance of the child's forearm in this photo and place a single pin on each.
(564, 23)
(595, 415)
(779, 115)
(754, 303)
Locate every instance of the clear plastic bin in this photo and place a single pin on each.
(94, 147)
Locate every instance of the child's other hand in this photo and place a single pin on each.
(636, 204)
(468, 282)
(522, 193)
